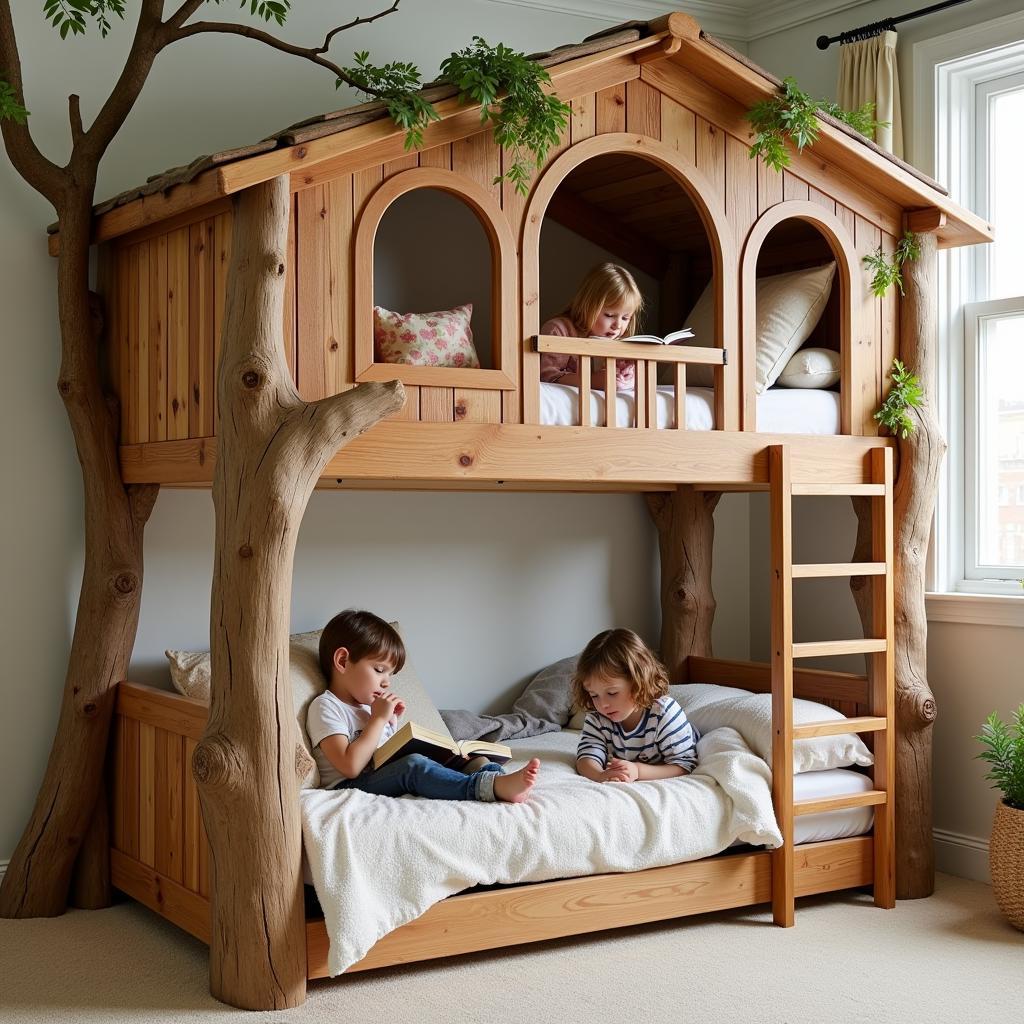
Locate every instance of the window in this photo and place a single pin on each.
(972, 97)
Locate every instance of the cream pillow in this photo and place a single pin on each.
(788, 308)
(190, 674)
(751, 717)
(811, 368)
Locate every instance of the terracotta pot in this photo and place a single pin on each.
(1006, 861)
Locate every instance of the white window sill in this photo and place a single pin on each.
(977, 609)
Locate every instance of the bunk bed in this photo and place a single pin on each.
(655, 170)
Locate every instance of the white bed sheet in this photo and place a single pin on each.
(779, 410)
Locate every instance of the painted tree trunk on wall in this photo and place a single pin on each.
(686, 535)
(919, 458)
(38, 877)
(271, 449)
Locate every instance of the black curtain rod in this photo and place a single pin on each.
(855, 35)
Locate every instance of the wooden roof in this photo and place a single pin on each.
(330, 143)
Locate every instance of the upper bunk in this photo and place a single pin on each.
(653, 173)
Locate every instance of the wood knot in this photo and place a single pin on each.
(334, 345)
(927, 710)
(460, 410)
(216, 762)
(251, 379)
(89, 709)
(465, 460)
(300, 153)
(125, 582)
(245, 551)
(280, 269)
(64, 387)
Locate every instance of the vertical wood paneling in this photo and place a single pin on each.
(826, 202)
(195, 834)
(711, 152)
(643, 109)
(200, 329)
(117, 332)
(437, 405)
(141, 313)
(679, 128)
(169, 831)
(338, 267)
(740, 189)
(769, 186)
(158, 339)
(310, 325)
(583, 122)
(437, 156)
(610, 109)
(475, 405)
(478, 158)
(221, 261)
(845, 214)
(364, 184)
(132, 391)
(403, 163)
(291, 312)
(793, 188)
(147, 794)
(126, 786)
(888, 331)
(177, 334)
(866, 349)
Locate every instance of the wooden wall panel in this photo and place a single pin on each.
(117, 336)
(200, 329)
(889, 330)
(158, 339)
(679, 128)
(583, 122)
(769, 186)
(866, 358)
(291, 312)
(479, 159)
(337, 264)
(740, 189)
(826, 202)
(610, 109)
(177, 334)
(711, 153)
(139, 358)
(643, 109)
(793, 188)
(311, 215)
(437, 405)
(125, 786)
(221, 258)
(476, 405)
(147, 794)
(169, 830)
(132, 330)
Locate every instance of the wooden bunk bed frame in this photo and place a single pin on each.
(674, 98)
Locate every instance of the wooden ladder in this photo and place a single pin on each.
(879, 650)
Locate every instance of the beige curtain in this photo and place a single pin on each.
(867, 72)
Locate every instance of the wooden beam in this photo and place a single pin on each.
(923, 222)
(603, 230)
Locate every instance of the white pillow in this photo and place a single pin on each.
(751, 717)
(190, 674)
(811, 368)
(788, 308)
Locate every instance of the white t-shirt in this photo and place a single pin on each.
(329, 715)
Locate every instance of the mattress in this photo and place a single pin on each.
(779, 410)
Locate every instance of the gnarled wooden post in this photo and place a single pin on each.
(271, 449)
(919, 457)
(686, 535)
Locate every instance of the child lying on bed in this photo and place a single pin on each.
(634, 731)
(357, 712)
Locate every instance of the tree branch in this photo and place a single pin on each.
(75, 117)
(175, 29)
(42, 174)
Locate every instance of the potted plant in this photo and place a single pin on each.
(1004, 752)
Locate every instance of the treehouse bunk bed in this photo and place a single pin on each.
(655, 170)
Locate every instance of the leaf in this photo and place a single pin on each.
(10, 108)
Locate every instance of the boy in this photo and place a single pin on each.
(359, 652)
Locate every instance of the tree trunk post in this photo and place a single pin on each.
(919, 458)
(39, 875)
(686, 533)
(271, 448)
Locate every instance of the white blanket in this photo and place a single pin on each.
(378, 863)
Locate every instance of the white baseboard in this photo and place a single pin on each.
(963, 856)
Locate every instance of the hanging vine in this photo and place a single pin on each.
(888, 270)
(905, 394)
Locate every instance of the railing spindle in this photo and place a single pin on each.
(584, 395)
(611, 410)
(680, 396)
(651, 368)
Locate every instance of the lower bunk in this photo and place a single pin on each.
(160, 857)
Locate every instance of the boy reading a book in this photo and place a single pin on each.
(359, 652)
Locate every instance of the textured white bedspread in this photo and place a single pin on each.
(378, 863)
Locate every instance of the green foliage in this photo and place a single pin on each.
(506, 84)
(526, 119)
(70, 15)
(10, 108)
(397, 84)
(906, 393)
(888, 270)
(1004, 752)
(268, 10)
(792, 115)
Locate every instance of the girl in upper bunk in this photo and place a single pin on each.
(358, 712)
(606, 305)
(634, 731)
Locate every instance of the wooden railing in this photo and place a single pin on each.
(647, 358)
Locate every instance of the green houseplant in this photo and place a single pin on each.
(1004, 753)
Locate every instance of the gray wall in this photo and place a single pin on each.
(488, 587)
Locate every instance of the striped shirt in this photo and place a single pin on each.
(664, 735)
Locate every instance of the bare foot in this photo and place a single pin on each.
(515, 788)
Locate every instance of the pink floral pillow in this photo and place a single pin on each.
(425, 339)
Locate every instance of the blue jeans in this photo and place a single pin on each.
(420, 776)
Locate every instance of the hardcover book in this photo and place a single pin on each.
(415, 739)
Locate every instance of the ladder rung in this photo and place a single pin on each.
(829, 648)
(838, 727)
(808, 570)
(874, 490)
(838, 803)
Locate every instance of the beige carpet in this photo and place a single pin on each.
(948, 958)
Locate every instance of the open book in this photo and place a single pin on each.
(672, 338)
(415, 739)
